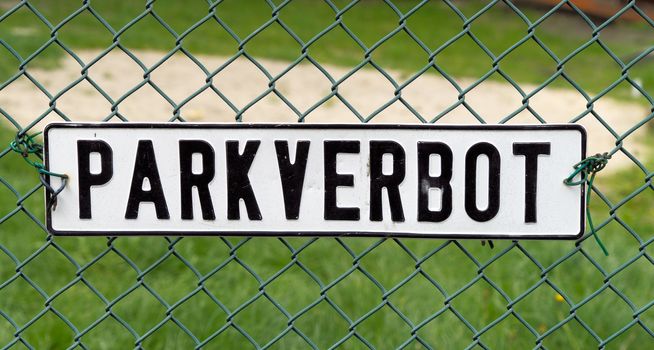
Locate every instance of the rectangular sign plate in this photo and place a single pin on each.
(447, 181)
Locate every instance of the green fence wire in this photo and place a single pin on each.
(327, 293)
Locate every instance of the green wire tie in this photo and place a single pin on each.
(25, 145)
(587, 168)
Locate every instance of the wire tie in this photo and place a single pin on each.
(26, 145)
(587, 169)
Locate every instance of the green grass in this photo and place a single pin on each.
(434, 24)
(113, 273)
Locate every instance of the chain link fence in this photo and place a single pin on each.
(305, 61)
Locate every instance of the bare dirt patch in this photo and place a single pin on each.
(135, 98)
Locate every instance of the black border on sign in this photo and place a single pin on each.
(138, 125)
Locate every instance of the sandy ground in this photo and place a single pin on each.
(303, 86)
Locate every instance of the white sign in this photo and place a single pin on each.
(316, 180)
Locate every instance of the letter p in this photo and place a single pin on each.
(85, 177)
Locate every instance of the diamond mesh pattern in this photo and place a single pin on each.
(288, 293)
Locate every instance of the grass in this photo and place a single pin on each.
(137, 279)
(434, 24)
(59, 276)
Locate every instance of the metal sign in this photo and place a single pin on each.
(449, 181)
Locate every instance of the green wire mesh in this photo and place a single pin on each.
(327, 293)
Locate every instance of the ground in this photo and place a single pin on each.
(305, 88)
